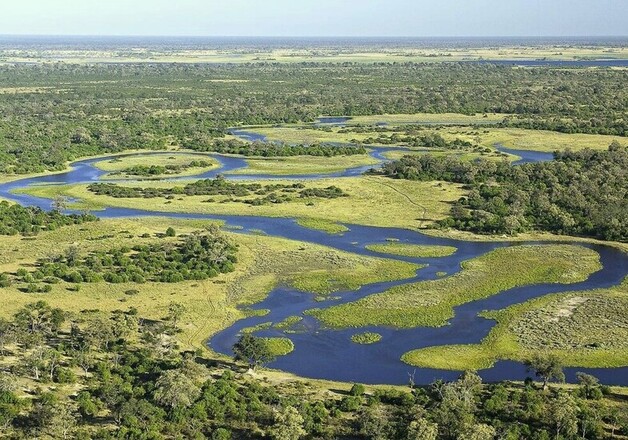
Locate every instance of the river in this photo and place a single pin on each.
(330, 354)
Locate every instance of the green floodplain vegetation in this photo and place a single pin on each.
(430, 303)
(157, 166)
(409, 204)
(263, 262)
(128, 359)
(300, 165)
(412, 250)
(585, 329)
(476, 129)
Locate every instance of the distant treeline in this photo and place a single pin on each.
(579, 193)
(52, 113)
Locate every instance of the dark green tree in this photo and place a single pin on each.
(547, 367)
(252, 350)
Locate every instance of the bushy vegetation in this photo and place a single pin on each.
(159, 170)
(271, 193)
(271, 149)
(15, 219)
(131, 106)
(196, 257)
(578, 193)
(366, 338)
(118, 375)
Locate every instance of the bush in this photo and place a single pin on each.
(350, 404)
(357, 389)
(64, 375)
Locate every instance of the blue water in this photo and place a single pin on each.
(330, 354)
(526, 156)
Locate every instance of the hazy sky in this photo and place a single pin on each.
(315, 17)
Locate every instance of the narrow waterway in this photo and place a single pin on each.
(330, 354)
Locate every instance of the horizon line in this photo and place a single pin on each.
(312, 36)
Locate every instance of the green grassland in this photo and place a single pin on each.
(287, 323)
(372, 200)
(322, 225)
(412, 250)
(116, 166)
(536, 140)
(304, 165)
(307, 134)
(431, 303)
(465, 155)
(279, 346)
(429, 118)
(211, 305)
(515, 138)
(584, 329)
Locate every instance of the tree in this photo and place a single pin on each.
(59, 203)
(357, 389)
(176, 390)
(35, 362)
(52, 359)
(8, 382)
(287, 424)
(478, 432)
(72, 255)
(175, 313)
(375, 423)
(170, 232)
(563, 415)
(7, 334)
(62, 422)
(589, 386)
(10, 407)
(39, 317)
(254, 351)
(547, 367)
(422, 429)
(458, 402)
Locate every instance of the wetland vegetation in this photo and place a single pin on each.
(140, 322)
(431, 303)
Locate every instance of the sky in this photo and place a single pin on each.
(413, 18)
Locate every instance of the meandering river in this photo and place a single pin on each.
(330, 354)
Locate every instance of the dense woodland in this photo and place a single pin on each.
(127, 379)
(198, 256)
(51, 113)
(578, 193)
(15, 219)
